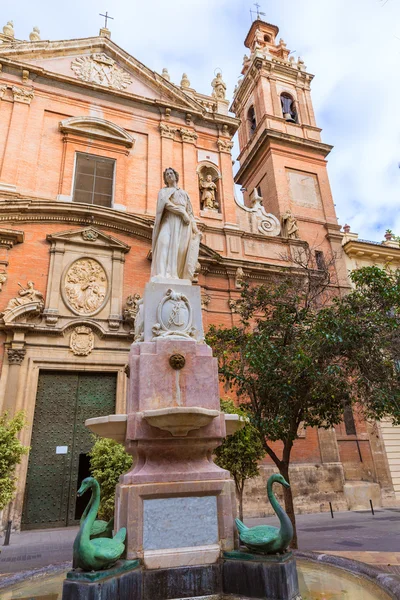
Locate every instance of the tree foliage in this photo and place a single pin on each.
(108, 460)
(240, 453)
(301, 354)
(11, 453)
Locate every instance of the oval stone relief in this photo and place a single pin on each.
(85, 286)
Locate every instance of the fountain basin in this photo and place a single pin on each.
(233, 423)
(179, 420)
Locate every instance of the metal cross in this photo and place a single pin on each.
(257, 11)
(105, 18)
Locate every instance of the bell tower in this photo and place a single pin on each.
(281, 155)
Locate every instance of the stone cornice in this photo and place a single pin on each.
(368, 250)
(10, 237)
(270, 135)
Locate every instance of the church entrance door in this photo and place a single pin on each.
(60, 442)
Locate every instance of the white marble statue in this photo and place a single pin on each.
(176, 238)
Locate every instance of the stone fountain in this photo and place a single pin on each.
(177, 505)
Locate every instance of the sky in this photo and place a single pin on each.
(351, 46)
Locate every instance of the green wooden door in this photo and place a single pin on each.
(60, 442)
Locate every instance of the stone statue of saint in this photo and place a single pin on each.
(207, 188)
(219, 87)
(176, 238)
(289, 225)
(25, 296)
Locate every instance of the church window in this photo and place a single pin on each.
(320, 260)
(251, 117)
(267, 38)
(349, 422)
(288, 108)
(94, 179)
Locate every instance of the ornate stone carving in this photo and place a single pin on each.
(101, 69)
(2, 90)
(196, 273)
(85, 286)
(219, 87)
(232, 305)
(174, 315)
(239, 277)
(8, 29)
(208, 189)
(34, 35)
(165, 74)
(22, 95)
(28, 300)
(177, 361)
(187, 135)
(90, 235)
(224, 145)
(167, 131)
(15, 355)
(264, 222)
(289, 225)
(3, 279)
(205, 300)
(81, 341)
(131, 310)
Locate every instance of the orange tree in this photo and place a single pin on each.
(300, 356)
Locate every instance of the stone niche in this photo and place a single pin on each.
(85, 278)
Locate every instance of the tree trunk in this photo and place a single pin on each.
(239, 491)
(289, 507)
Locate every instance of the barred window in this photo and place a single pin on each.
(94, 179)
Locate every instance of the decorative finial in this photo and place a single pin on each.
(104, 31)
(388, 235)
(8, 29)
(165, 74)
(346, 228)
(34, 36)
(185, 83)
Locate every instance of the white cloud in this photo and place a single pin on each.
(350, 46)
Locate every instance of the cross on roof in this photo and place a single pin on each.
(257, 11)
(106, 17)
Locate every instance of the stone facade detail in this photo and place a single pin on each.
(174, 315)
(131, 310)
(85, 286)
(2, 90)
(3, 279)
(101, 69)
(205, 300)
(29, 300)
(90, 235)
(224, 145)
(82, 341)
(22, 95)
(187, 135)
(15, 355)
(167, 131)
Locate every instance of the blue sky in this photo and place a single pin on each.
(351, 46)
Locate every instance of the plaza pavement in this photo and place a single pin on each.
(358, 535)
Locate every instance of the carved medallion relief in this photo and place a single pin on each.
(85, 286)
(101, 69)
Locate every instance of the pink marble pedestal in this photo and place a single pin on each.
(177, 505)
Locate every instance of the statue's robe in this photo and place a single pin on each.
(175, 244)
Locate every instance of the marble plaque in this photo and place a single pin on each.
(304, 188)
(179, 522)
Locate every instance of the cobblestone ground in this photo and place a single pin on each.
(356, 535)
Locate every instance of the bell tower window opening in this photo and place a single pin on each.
(267, 38)
(94, 179)
(320, 260)
(251, 118)
(289, 108)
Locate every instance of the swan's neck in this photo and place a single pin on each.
(286, 528)
(87, 508)
(90, 518)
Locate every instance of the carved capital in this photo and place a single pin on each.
(224, 145)
(2, 90)
(167, 131)
(15, 355)
(188, 135)
(22, 95)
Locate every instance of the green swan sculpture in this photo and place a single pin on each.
(265, 539)
(99, 553)
(99, 528)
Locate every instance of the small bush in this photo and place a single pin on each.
(108, 460)
(11, 453)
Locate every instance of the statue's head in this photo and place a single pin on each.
(170, 175)
(278, 478)
(209, 177)
(86, 484)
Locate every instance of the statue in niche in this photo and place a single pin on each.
(176, 238)
(219, 87)
(25, 296)
(289, 225)
(208, 188)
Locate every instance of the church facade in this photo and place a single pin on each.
(88, 132)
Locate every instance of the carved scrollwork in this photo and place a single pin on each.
(224, 145)
(22, 95)
(82, 341)
(131, 310)
(101, 69)
(187, 135)
(167, 131)
(174, 315)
